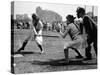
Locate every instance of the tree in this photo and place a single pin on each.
(48, 15)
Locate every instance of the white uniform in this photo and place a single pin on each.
(37, 31)
(39, 39)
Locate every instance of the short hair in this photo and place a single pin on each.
(80, 10)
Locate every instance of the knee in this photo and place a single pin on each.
(25, 41)
(66, 46)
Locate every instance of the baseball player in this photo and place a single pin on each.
(37, 28)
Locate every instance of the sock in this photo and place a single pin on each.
(24, 44)
(40, 47)
(66, 53)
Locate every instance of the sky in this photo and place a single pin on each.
(28, 7)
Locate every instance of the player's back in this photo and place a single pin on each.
(90, 25)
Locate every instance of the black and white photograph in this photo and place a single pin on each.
(52, 37)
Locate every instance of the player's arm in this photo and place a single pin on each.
(65, 33)
(41, 27)
(41, 24)
(87, 24)
(33, 30)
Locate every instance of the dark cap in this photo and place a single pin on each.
(70, 17)
(35, 17)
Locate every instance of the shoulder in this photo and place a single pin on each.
(71, 25)
(86, 17)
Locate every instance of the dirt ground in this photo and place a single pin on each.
(53, 57)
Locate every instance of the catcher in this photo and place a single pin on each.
(77, 41)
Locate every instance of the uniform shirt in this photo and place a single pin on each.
(39, 26)
(72, 30)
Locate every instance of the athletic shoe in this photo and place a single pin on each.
(79, 57)
(87, 59)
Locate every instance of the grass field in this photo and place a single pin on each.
(53, 57)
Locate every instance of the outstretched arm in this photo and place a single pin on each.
(60, 31)
(34, 30)
(63, 34)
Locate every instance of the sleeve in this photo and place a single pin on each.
(66, 32)
(87, 24)
(41, 25)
